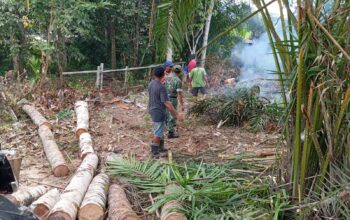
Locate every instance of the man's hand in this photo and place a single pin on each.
(182, 108)
(180, 117)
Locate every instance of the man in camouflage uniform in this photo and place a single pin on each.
(173, 86)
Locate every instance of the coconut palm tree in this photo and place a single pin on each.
(172, 22)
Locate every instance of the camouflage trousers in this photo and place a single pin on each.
(171, 121)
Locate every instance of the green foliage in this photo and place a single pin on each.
(64, 113)
(173, 19)
(206, 191)
(226, 14)
(241, 107)
(34, 64)
(310, 57)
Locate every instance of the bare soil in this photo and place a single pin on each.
(125, 128)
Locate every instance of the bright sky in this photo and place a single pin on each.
(273, 8)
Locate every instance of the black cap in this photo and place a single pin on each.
(159, 71)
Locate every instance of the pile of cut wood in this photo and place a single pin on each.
(85, 196)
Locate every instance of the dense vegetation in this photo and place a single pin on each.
(48, 37)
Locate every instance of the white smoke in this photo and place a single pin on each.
(257, 64)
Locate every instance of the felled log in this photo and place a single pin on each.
(26, 197)
(170, 209)
(53, 154)
(85, 144)
(119, 206)
(36, 117)
(94, 203)
(72, 196)
(82, 112)
(44, 204)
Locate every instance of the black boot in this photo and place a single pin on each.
(173, 135)
(162, 148)
(155, 151)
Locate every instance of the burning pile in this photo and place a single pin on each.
(244, 107)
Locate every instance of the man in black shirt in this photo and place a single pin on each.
(157, 105)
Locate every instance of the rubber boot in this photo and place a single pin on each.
(155, 151)
(162, 148)
(173, 135)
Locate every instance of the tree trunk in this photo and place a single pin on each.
(71, 198)
(45, 60)
(26, 197)
(82, 112)
(113, 47)
(85, 145)
(62, 56)
(44, 204)
(119, 206)
(52, 152)
(16, 64)
(206, 31)
(151, 22)
(170, 209)
(169, 52)
(36, 117)
(94, 203)
(137, 33)
(46, 55)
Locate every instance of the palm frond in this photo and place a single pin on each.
(203, 190)
(149, 175)
(173, 19)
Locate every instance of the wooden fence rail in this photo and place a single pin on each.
(100, 71)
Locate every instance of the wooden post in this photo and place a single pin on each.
(101, 76)
(149, 74)
(126, 79)
(98, 77)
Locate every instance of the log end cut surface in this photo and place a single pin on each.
(41, 210)
(79, 131)
(59, 216)
(61, 170)
(91, 212)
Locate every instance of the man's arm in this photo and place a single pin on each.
(173, 111)
(181, 100)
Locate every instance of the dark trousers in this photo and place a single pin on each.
(195, 91)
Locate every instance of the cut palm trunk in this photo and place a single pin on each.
(82, 112)
(36, 117)
(26, 197)
(72, 196)
(171, 210)
(85, 144)
(119, 206)
(53, 154)
(44, 204)
(94, 203)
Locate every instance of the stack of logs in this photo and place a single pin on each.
(85, 196)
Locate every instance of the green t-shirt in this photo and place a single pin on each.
(173, 85)
(197, 76)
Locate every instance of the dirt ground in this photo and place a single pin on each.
(125, 128)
